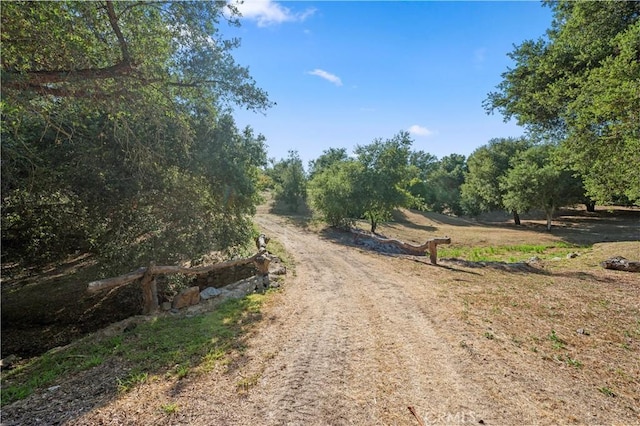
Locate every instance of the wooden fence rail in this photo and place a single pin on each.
(148, 274)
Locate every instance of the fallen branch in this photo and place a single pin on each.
(429, 245)
(108, 283)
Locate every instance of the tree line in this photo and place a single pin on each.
(576, 91)
(510, 174)
(118, 136)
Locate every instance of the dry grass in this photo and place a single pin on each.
(571, 327)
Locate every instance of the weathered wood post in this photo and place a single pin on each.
(261, 243)
(262, 259)
(149, 291)
(433, 252)
(433, 248)
(262, 265)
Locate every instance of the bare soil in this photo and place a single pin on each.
(358, 337)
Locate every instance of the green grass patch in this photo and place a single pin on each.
(508, 253)
(170, 408)
(556, 341)
(167, 345)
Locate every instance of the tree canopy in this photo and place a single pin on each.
(580, 85)
(443, 183)
(371, 185)
(290, 181)
(384, 170)
(117, 136)
(326, 160)
(334, 193)
(536, 180)
(480, 191)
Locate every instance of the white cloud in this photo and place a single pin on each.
(268, 12)
(327, 76)
(420, 131)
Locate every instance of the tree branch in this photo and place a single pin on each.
(38, 80)
(113, 20)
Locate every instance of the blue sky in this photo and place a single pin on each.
(345, 73)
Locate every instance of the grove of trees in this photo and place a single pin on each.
(580, 87)
(487, 166)
(536, 181)
(514, 175)
(117, 134)
(371, 185)
(576, 91)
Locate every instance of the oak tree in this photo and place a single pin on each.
(580, 85)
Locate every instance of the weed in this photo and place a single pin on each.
(247, 383)
(170, 408)
(489, 335)
(572, 362)
(558, 343)
(607, 392)
(131, 381)
(181, 371)
(465, 309)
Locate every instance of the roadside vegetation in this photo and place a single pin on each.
(164, 347)
(511, 253)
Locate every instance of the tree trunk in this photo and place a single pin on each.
(516, 218)
(374, 225)
(591, 206)
(549, 211)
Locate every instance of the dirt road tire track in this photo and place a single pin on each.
(358, 348)
(351, 340)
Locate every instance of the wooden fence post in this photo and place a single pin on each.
(149, 291)
(433, 252)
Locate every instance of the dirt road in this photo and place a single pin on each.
(356, 338)
(351, 341)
